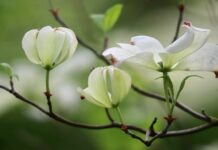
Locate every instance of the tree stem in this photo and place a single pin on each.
(165, 84)
(47, 80)
(47, 92)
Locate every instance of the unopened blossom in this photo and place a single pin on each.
(189, 52)
(49, 46)
(107, 86)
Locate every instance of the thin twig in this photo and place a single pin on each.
(47, 92)
(55, 14)
(191, 130)
(136, 137)
(169, 120)
(108, 115)
(151, 128)
(151, 132)
(206, 115)
(181, 8)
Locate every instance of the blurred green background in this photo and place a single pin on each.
(23, 127)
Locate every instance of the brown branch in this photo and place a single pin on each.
(169, 121)
(48, 98)
(188, 131)
(136, 137)
(151, 132)
(128, 128)
(79, 125)
(54, 13)
(62, 120)
(193, 130)
(165, 133)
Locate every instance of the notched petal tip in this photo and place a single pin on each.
(187, 23)
(113, 60)
(80, 91)
(82, 97)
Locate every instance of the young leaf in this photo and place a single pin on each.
(158, 78)
(111, 16)
(8, 70)
(99, 20)
(182, 85)
(170, 86)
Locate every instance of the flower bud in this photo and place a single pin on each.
(49, 46)
(107, 86)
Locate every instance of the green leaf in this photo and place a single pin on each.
(111, 16)
(182, 85)
(99, 20)
(8, 70)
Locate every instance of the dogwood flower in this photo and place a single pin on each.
(107, 86)
(189, 52)
(49, 46)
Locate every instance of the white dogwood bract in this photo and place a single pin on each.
(107, 86)
(49, 46)
(189, 52)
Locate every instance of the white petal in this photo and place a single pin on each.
(144, 59)
(147, 43)
(134, 49)
(97, 84)
(120, 84)
(49, 44)
(29, 46)
(69, 47)
(119, 54)
(131, 54)
(183, 42)
(205, 59)
(87, 93)
(183, 47)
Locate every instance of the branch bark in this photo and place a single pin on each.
(65, 121)
(126, 128)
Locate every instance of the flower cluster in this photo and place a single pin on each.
(107, 86)
(189, 52)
